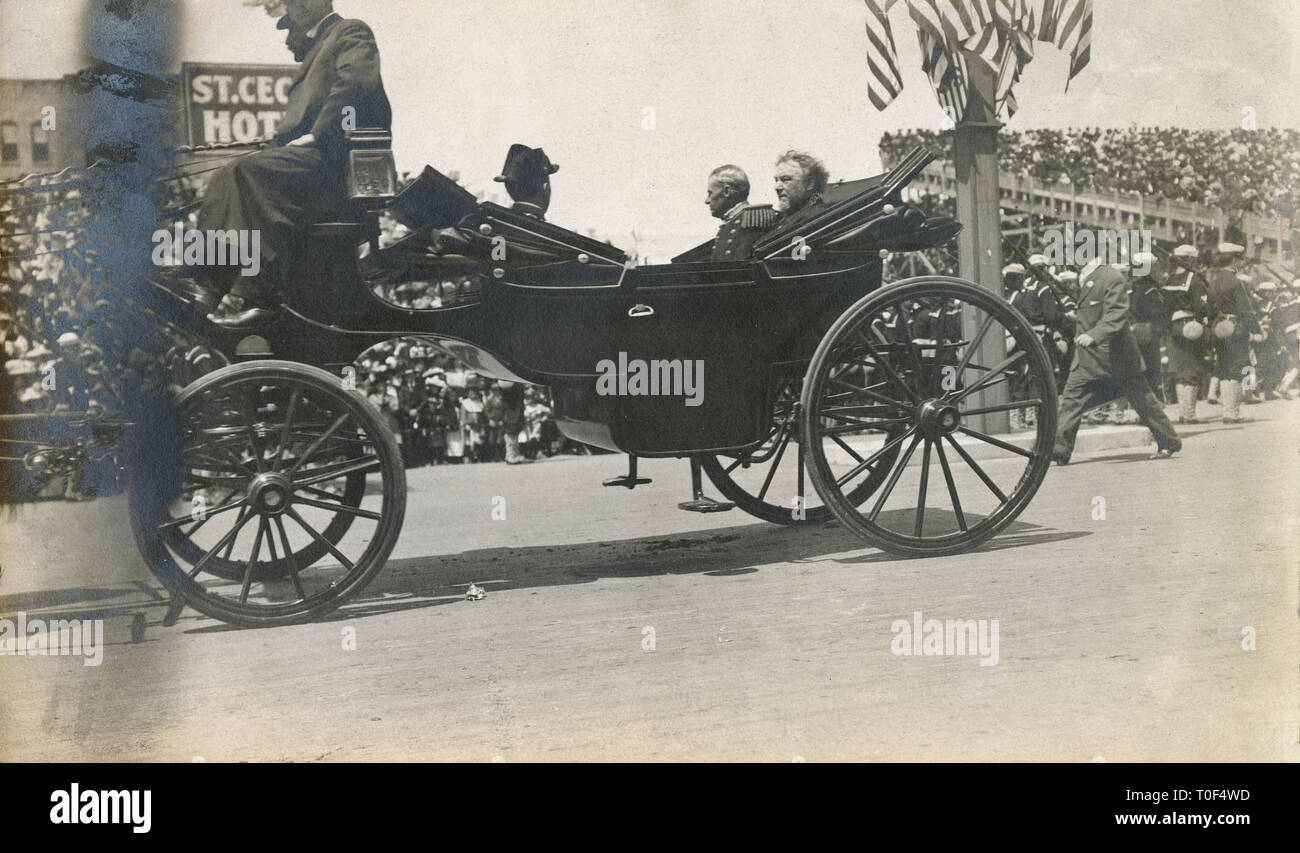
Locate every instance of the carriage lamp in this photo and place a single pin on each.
(372, 171)
(485, 230)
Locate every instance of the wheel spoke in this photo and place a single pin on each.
(1004, 407)
(351, 510)
(864, 411)
(846, 448)
(338, 555)
(920, 499)
(224, 506)
(952, 487)
(771, 472)
(867, 463)
(888, 369)
(893, 478)
(861, 425)
(239, 521)
(912, 351)
(974, 345)
(315, 445)
(322, 493)
(986, 379)
(284, 433)
(961, 451)
(248, 408)
(248, 566)
(227, 541)
(332, 472)
(290, 559)
(867, 392)
(996, 442)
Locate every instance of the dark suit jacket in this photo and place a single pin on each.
(1104, 314)
(341, 70)
(813, 208)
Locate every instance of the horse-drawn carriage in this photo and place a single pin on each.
(275, 490)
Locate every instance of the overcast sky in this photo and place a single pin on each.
(729, 80)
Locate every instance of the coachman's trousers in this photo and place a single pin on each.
(1082, 394)
(277, 192)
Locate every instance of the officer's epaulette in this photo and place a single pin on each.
(758, 217)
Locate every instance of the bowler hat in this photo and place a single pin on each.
(524, 163)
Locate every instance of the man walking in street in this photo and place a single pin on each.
(1107, 364)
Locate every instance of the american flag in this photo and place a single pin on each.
(882, 56)
(998, 33)
(1075, 30)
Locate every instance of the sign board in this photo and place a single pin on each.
(234, 103)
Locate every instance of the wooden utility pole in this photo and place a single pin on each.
(979, 246)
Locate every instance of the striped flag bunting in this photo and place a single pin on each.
(998, 33)
(882, 56)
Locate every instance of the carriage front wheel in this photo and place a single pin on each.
(270, 495)
(935, 365)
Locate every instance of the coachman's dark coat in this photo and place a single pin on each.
(280, 190)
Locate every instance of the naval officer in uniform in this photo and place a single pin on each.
(742, 223)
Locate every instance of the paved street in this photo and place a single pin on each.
(618, 627)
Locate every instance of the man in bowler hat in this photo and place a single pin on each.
(527, 176)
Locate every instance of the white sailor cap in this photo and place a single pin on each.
(1230, 248)
(1037, 261)
(69, 338)
(1013, 268)
(1266, 285)
(1185, 251)
(1183, 315)
(1068, 275)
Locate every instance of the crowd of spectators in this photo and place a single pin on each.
(72, 342)
(1256, 171)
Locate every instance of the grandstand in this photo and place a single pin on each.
(1184, 186)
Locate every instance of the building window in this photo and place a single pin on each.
(9, 142)
(40, 144)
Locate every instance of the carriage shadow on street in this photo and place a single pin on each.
(419, 582)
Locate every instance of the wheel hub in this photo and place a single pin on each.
(269, 493)
(936, 418)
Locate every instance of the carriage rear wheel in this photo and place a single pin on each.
(942, 363)
(275, 495)
(771, 481)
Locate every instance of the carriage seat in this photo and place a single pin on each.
(370, 185)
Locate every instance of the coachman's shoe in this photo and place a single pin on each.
(234, 313)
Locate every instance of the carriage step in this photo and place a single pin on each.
(706, 505)
(627, 481)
